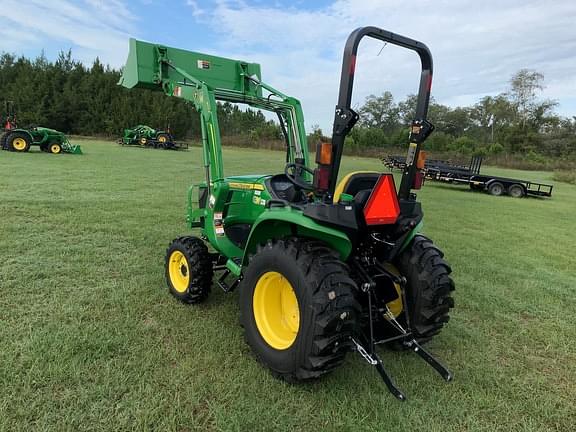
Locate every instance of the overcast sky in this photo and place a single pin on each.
(476, 45)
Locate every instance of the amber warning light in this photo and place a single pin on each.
(382, 206)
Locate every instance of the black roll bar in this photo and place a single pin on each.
(345, 117)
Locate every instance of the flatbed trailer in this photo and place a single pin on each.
(494, 185)
(399, 162)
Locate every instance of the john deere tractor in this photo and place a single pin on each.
(49, 141)
(323, 267)
(145, 136)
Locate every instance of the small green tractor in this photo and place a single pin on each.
(322, 267)
(145, 136)
(18, 139)
(49, 141)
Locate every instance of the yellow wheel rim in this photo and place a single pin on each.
(142, 141)
(19, 144)
(395, 306)
(276, 310)
(179, 271)
(162, 139)
(55, 148)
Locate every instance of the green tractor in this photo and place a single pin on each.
(145, 136)
(323, 267)
(49, 141)
(18, 139)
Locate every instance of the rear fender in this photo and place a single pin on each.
(277, 223)
(25, 131)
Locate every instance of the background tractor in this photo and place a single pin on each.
(18, 139)
(323, 267)
(145, 136)
(49, 141)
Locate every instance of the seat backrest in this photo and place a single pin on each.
(355, 182)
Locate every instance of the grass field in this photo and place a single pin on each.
(91, 340)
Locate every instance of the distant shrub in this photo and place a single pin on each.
(495, 148)
(438, 141)
(532, 156)
(481, 151)
(565, 176)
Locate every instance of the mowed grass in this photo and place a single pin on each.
(91, 340)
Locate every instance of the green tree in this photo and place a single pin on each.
(380, 112)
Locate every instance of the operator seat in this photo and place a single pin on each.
(356, 182)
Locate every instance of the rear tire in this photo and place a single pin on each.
(3, 144)
(314, 334)
(496, 189)
(18, 141)
(188, 269)
(163, 138)
(428, 288)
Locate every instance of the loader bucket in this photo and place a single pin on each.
(75, 149)
(71, 148)
(148, 64)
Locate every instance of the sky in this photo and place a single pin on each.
(476, 45)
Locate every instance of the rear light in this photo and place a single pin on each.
(324, 170)
(324, 154)
(322, 178)
(382, 206)
(421, 162)
(418, 180)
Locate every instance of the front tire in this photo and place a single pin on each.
(428, 288)
(188, 269)
(297, 308)
(55, 148)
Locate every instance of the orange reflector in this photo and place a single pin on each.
(421, 162)
(382, 206)
(324, 153)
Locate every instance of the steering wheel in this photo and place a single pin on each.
(295, 179)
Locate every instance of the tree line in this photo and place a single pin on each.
(77, 99)
(85, 100)
(515, 122)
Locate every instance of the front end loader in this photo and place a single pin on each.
(323, 267)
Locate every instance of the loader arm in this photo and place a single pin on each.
(204, 79)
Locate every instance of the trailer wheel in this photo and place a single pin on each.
(188, 269)
(55, 148)
(516, 191)
(143, 141)
(297, 308)
(496, 189)
(428, 288)
(18, 142)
